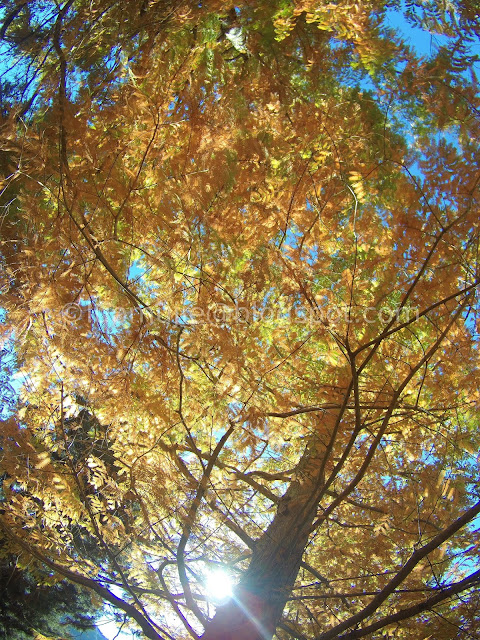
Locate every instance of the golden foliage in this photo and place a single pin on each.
(240, 252)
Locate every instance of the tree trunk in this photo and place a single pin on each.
(255, 609)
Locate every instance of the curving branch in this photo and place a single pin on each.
(457, 587)
(103, 592)
(402, 574)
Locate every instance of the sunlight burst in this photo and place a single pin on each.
(219, 586)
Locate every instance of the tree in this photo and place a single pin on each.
(27, 608)
(241, 270)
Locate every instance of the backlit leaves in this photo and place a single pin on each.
(223, 224)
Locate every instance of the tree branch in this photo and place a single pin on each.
(415, 609)
(407, 568)
(103, 592)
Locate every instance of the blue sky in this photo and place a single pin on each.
(424, 44)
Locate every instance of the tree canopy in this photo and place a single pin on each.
(240, 270)
(28, 608)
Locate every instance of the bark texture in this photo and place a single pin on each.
(256, 608)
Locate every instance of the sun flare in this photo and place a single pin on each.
(219, 586)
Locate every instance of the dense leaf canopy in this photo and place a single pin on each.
(240, 267)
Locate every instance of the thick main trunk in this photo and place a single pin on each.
(260, 597)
